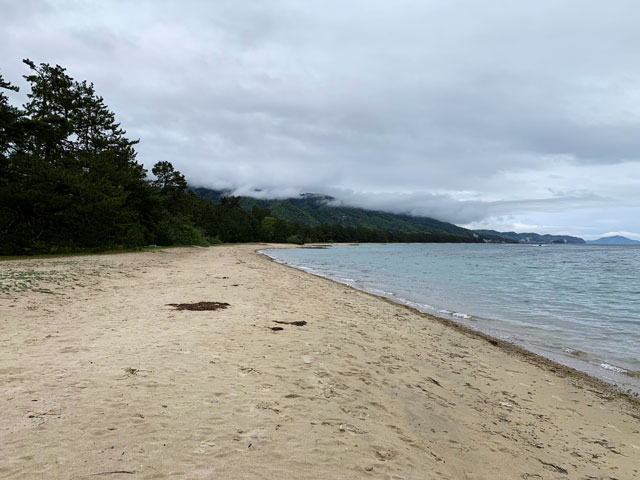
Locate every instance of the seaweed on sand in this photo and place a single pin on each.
(200, 306)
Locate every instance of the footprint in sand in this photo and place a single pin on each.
(347, 427)
(385, 454)
(69, 350)
(244, 371)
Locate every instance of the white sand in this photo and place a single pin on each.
(367, 389)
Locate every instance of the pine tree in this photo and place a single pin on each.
(168, 179)
(9, 138)
(76, 183)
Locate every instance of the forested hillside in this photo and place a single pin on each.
(313, 210)
(531, 237)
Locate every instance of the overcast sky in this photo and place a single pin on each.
(497, 114)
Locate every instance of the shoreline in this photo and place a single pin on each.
(574, 366)
(297, 378)
(508, 347)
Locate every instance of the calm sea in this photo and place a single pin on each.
(578, 305)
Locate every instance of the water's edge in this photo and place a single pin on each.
(611, 379)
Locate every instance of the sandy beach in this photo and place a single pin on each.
(102, 378)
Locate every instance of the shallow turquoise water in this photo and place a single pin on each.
(576, 304)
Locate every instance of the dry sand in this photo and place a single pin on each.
(101, 379)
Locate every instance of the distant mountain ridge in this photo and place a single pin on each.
(613, 240)
(533, 237)
(315, 209)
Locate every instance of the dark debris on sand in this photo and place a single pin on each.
(297, 323)
(200, 306)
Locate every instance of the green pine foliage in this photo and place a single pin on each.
(69, 179)
(70, 182)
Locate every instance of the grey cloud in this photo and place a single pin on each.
(445, 207)
(489, 110)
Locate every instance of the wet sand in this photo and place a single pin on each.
(101, 378)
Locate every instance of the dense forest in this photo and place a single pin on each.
(69, 181)
(316, 209)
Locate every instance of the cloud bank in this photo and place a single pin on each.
(487, 114)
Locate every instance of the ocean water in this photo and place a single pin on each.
(576, 304)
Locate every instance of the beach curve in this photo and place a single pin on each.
(101, 376)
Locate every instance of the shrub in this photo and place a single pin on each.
(296, 239)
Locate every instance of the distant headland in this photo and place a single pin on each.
(613, 240)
